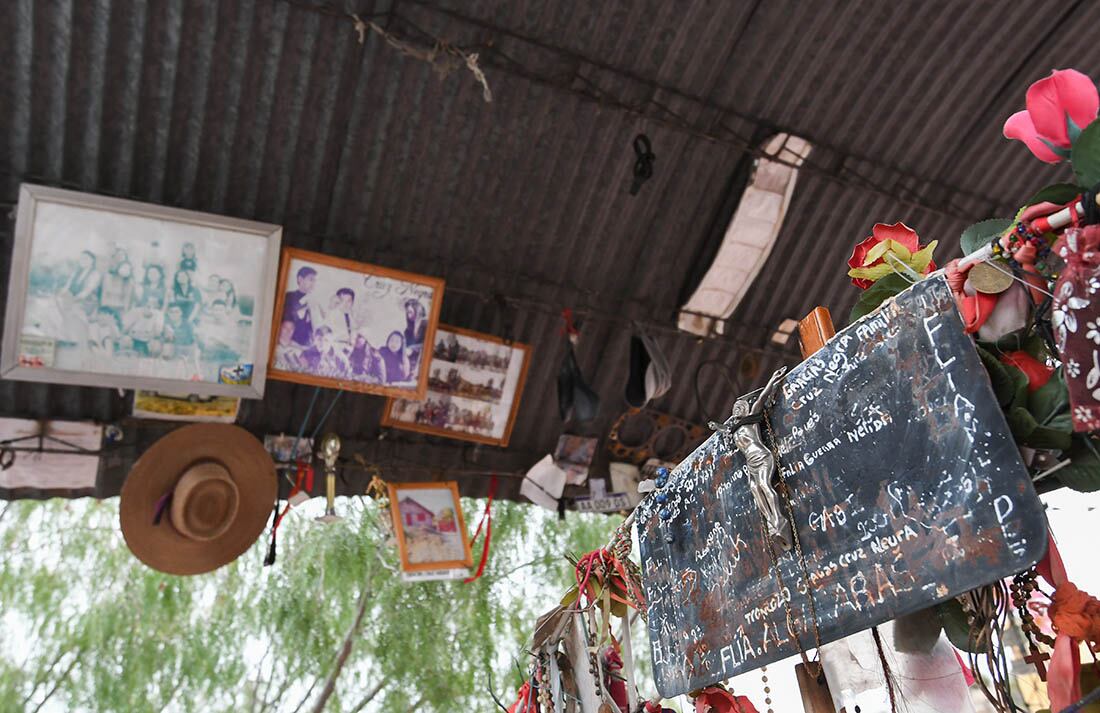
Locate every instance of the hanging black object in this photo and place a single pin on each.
(575, 398)
(504, 315)
(643, 163)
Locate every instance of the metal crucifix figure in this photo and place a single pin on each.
(744, 429)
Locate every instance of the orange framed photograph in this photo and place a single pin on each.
(475, 382)
(349, 325)
(431, 532)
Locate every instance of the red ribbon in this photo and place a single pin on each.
(487, 521)
(304, 476)
(1064, 672)
(570, 329)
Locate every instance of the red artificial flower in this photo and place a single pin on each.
(1065, 94)
(880, 233)
(719, 700)
(1037, 372)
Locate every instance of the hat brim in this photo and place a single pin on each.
(161, 546)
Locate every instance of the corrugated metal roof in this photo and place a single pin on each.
(266, 110)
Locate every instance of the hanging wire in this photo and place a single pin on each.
(302, 427)
(731, 382)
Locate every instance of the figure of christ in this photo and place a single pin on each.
(744, 428)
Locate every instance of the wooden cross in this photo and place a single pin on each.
(1036, 658)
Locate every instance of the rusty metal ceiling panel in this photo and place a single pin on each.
(272, 110)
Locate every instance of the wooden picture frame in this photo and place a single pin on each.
(417, 515)
(364, 328)
(484, 367)
(115, 293)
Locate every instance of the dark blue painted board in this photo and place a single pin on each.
(907, 489)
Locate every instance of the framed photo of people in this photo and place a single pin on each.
(474, 389)
(112, 292)
(349, 325)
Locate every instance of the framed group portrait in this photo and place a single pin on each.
(117, 293)
(428, 523)
(353, 326)
(475, 383)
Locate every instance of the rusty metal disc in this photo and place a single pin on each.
(990, 278)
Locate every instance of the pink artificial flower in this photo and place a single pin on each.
(1042, 126)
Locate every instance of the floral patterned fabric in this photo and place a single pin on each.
(1076, 322)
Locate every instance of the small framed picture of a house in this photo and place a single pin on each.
(431, 533)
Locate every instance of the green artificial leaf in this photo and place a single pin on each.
(1021, 423)
(983, 233)
(1004, 386)
(1059, 193)
(876, 294)
(1061, 422)
(1050, 401)
(1085, 155)
(955, 625)
(1049, 438)
(1083, 472)
(1019, 386)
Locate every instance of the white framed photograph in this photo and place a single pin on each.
(349, 325)
(111, 292)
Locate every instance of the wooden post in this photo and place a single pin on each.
(924, 682)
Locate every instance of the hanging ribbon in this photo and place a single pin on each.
(487, 521)
(304, 477)
(1073, 614)
(526, 700)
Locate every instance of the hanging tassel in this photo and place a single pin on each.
(270, 559)
(305, 477)
(487, 521)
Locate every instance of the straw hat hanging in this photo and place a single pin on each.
(198, 498)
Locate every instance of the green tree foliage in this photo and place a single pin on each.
(84, 626)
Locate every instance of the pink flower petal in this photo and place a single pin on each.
(1049, 100)
(900, 232)
(1020, 127)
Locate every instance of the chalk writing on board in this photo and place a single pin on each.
(906, 489)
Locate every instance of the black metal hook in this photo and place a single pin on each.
(643, 163)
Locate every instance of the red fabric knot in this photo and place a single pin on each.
(1075, 613)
